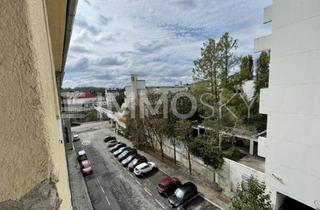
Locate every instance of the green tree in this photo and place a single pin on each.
(262, 71)
(120, 98)
(91, 116)
(184, 134)
(206, 68)
(226, 57)
(213, 157)
(251, 196)
(246, 68)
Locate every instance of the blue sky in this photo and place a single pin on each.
(156, 39)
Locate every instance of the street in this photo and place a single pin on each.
(112, 186)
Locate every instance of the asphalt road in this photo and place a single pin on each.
(112, 186)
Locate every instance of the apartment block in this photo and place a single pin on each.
(291, 102)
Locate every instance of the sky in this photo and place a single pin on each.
(156, 39)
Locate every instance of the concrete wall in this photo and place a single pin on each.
(230, 175)
(31, 142)
(292, 101)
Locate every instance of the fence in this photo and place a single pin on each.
(228, 177)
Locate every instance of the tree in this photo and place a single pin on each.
(155, 123)
(246, 68)
(184, 134)
(251, 196)
(226, 57)
(206, 68)
(262, 71)
(120, 98)
(213, 157)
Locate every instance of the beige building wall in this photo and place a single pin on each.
(31, 140)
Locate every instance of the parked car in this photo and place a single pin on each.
(138, 160)
(126, 153)
(82, 156)
(119, 151)
(130, 158)
(144, 168)
(86, 168)
(76, 137)
(168, 185)
(183, 194)
(117, 146)
(109, 138)
(112, 143)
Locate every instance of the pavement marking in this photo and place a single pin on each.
(107, 200)
(98, 181)
(162, 170)
(102, 189)
(138, 182)
(160, 204)
(147, 191)
(131, 175)
(213, 203)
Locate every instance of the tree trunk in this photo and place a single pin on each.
(161, 148)
(174, 151)
(189, 159)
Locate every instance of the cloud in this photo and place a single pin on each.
(158, 40)
(109, 61)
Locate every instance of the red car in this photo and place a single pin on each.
(168, 185)
(86, 168)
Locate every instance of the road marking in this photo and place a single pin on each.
(107, 200)
(138, 182)
(131, 175)
(98, 181)
(147, 191)
(213, 203)
(102, 189)
(163, 171)
(160, 204)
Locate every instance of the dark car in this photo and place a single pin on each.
(182, 194)
(168, 185)
(126, 153)
(112, 143)
(82, 156)
(116, 147)
(109, 138)
(127, 160)
(138, 160)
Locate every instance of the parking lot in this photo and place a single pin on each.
(111, 186)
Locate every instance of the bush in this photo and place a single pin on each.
(251, 196)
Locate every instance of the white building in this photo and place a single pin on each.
(111, 95)
(292, 145)
(138, 91)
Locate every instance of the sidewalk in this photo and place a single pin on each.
(181, 172)
(79, 193)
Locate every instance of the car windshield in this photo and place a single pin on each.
(162, 186)
(146, 166)
(134, 161)
(179, 193)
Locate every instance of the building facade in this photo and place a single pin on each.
(291, 102)
(34, 42)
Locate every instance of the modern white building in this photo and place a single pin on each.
(292, 144)
(138, 91)
(111, 94)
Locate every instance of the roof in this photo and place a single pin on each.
(81, 152)
(84, 95)
(165, 181)
(141, 165)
